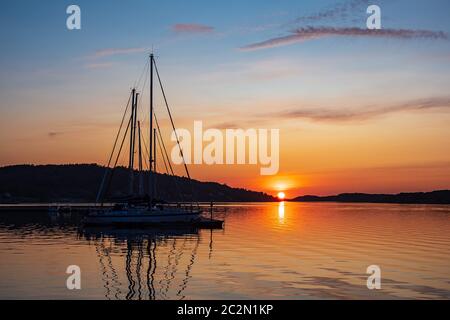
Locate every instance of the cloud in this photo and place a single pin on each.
(360, 114)
(311, 33)
(117, 51)
(338, 10)
(336, 114)
(98, 65)
(54, 134)
(191, 28)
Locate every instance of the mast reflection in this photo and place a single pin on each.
(158, 263)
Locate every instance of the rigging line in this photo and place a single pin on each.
(117, 158)
(136, 110)
(124, 158)
(163, 158)
(141, 92)
(164, 146)
(145, 164)
(144, 70)
(171, 176)
(173, 127)
(112, 152)
(145, 150)
(142, 113)
(146, 76)
(147, 154)
(159, 136)
(171, 119)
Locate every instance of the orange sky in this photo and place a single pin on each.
(357, 112)
(392, 153)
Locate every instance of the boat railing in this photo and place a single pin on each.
(188, 206)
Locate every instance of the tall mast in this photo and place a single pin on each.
(141, 178)
(154, 161)
(136, 98)
(150, 187)
(154, 150)
(132, 134)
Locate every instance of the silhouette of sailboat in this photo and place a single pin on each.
(143, 209)
(158, 264)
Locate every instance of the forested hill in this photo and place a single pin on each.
(80, 183)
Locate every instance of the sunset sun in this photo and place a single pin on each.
(281, 195)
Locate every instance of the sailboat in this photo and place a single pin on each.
(142, 209)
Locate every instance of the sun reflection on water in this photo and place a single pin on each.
(281, 211)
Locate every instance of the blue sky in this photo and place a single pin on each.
(74, 83)
(38, 27)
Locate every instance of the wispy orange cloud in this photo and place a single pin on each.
(364, 113)
(311, 33)
(339, 114)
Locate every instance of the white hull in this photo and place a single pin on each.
(142, 217)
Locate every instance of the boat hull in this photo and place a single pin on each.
(142, 219)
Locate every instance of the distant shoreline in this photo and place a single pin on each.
(4, 205)
(79, 183)
(432, 197)
(443, 199)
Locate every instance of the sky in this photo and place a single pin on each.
(358, 111)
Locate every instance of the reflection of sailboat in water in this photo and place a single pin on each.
(158, 264)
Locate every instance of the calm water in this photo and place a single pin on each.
(267, 251)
